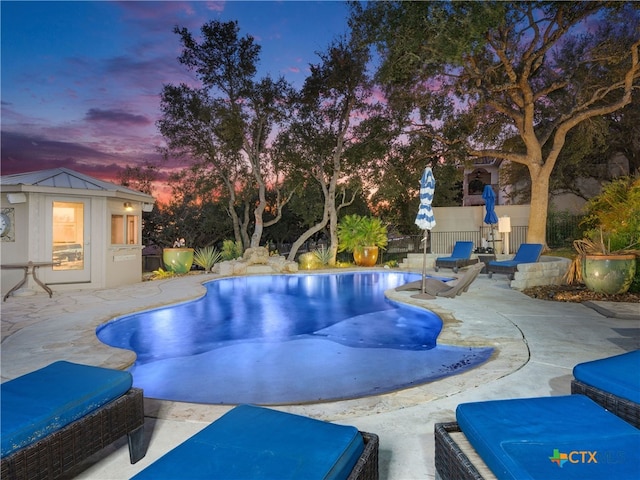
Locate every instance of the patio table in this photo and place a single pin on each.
(33, 266)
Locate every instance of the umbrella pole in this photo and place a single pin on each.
(424, 263)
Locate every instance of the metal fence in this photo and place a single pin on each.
(562, 229)
(443, 242)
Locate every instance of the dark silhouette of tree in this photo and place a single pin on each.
(508, 80)
(224, 124)
(330, 141)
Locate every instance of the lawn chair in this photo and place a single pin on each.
(546, 438)
(57, 416)
(437, 288)
(613, 383)
(262, 443)
(527, 253)
(460, 257)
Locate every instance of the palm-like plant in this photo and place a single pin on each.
(323, 255)
(206, 257)
(355, 232)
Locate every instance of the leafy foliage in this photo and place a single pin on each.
(161, 274)
(355, 231)
(613, 225)
(505, 80)
(613, 216)
(231, 250)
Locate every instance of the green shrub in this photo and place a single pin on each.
(308, 261)
(161, 274)
(355, 231)
(231, 250)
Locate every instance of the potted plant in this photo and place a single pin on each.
(363, 236)
(179, 258)
(607, 256)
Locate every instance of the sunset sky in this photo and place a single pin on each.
(81, 80)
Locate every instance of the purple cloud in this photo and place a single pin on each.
(116, 116)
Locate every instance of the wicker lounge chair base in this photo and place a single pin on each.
(621, 407)
(60, 452)
(366, 467)
(613, 383)
(453, 459)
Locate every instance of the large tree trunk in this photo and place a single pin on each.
(329, 204)
(537, 232)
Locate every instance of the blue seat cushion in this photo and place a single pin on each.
(618, 375)
(528, 253)
(551, 438)
(252, 442)
(461, 251)
(503, 263)
(42, 402)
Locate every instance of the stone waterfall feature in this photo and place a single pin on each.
(256, 260)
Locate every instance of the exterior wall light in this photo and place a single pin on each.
(128, 207)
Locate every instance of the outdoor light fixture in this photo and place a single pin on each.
(127, 206)
(504, 227)
(16, 198)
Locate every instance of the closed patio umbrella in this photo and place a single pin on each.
(490, 217)
(425, 219)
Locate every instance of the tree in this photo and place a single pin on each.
(326, 136)
(509, 80)
(226, 123)
(139, 178)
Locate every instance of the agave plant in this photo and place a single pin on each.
(206, 257)
(323, 255)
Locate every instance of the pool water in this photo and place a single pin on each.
(283, 339)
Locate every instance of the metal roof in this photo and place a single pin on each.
(65, 178)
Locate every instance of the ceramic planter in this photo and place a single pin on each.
(608, 274)
(177, 260)
(365, 256)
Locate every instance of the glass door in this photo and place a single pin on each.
(69, 241)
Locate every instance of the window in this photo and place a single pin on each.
(124, 229)
(68, 236)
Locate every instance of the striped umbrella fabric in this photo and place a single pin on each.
(490, 202)
(425, 219)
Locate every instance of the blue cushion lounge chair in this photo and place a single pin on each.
(57, 416)
(460, 257)
(546, 438)
(251, 442)
(612, 382)
(527, 253)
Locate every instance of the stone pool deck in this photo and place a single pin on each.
(536, 343)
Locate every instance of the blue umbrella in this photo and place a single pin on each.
(425, 219)
(490, 202)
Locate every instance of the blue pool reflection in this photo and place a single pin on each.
(287, 339)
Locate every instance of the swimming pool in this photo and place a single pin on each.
(283, 339)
